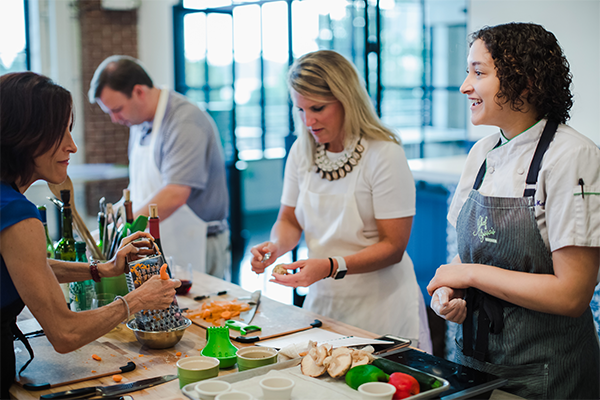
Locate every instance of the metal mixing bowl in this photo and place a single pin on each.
(159, 340)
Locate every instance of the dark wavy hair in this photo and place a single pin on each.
(529, 59)
(34, 114)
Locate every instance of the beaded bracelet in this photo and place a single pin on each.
(126, 305)
(94, 270)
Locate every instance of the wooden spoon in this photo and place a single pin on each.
(80, 226)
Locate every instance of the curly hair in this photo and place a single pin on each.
(35, 112)
(529, 59)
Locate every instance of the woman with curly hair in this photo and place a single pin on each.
(527, 216)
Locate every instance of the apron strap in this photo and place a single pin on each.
(534, 168)
(19, 335)
(490, 320)
(483, 168)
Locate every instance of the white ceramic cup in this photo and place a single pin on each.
(233, 395)
(208, 390)
(277, 387)
(376, 391)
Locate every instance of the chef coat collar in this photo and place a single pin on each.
(531, 134)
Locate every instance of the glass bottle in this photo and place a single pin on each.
(49, 244)
(154, 228)
(128, 206)
(83, 294)
(65, 248)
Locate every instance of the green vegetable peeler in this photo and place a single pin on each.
(242, 327)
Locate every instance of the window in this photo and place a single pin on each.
(232, 57)
(14, 50)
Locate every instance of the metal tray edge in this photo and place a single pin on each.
(243, 375)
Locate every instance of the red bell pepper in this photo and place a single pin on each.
(406, 385)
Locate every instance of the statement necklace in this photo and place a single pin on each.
(333, 170)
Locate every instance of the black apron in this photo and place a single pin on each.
(9, 332)
(543, 356)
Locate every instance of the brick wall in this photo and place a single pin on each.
(104, 33)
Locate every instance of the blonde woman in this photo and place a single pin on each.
(348, 188)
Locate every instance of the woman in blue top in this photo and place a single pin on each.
(36, 143)
(527, 219)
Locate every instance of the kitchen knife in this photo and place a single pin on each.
(206, 296)
(252, 339)
(246, 317)
(46, 385)
(110, 391)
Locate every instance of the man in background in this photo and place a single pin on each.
(175, 161)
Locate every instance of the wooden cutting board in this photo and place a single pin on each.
(66, 368)
(272, 316)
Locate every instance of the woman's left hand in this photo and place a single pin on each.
(311, 271)
(129, 250)
(455, 276)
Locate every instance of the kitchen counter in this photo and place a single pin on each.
(439, 170)
(152, 363)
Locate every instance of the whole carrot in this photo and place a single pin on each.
(163, 272)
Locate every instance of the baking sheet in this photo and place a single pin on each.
(306, 388)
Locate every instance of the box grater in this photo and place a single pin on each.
(152, 320)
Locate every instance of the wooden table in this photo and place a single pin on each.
(151, 363)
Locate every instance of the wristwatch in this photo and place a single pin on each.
(341, 269)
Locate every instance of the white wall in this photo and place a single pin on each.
(155, 40)
(576, 25)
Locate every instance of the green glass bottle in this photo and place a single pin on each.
(65, 248)
(49, 244)
(82, 294)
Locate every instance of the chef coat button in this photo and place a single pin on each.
(491, 170)
(520, 171)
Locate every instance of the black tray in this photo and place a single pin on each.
(465, 382)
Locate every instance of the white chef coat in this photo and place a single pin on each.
(564, 216)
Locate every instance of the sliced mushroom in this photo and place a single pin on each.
(310, 368)
(339, 364)
(361, 357)
(342, 350)
(323, 351)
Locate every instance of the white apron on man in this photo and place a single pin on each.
(386, 301)
(183, 233)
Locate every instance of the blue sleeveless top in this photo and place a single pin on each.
(14, 208)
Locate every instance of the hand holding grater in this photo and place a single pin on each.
(152, 320)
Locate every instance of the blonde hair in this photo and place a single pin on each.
(325, 74)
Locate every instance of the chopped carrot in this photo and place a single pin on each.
(96, 357)
(302, 354)
(178, 354)
(117, 378)
(216, 312)
(163, 272)
(226, 314)
(141, 355)
(93, 372)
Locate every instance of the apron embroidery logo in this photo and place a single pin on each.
(483, 232)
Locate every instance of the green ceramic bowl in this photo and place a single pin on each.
(255, 356)
(197, 368)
